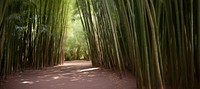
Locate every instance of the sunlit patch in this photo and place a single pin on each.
(64, 64)
(37, 81)
(56, 77)
(85, 72)
(27, 82)
(89, 69)
(68, 64)
(71, 34)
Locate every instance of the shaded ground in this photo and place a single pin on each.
(71, 75)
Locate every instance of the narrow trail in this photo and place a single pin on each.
(71, 75)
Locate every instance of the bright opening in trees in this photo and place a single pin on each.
(76, 42)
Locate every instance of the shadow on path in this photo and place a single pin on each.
(70, 75)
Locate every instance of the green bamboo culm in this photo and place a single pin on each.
(198, 34)
(157, 40)
(31, 34)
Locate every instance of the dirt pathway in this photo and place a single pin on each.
(71, 75)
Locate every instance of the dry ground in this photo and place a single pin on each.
(71, 75)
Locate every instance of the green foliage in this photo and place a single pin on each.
(158, 40)
(32, 33)
(76, 43)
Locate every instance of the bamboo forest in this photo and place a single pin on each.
(156, 41)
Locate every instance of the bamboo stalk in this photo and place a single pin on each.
(154, 45)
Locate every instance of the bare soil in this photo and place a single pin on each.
(70, 75)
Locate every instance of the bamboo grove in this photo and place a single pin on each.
(31, 34)
(158, 40)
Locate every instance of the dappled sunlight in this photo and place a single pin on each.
(74, 63)
(56, 77)
(85, 73)
(75, 79)
(80, 74)
(27, 82)
(70, 71)
(88, 69)
(71, 34)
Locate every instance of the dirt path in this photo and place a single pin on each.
(71, 75)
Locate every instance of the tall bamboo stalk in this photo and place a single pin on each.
(154, 38)
(31, 34)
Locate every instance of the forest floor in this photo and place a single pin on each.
(70, 75)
